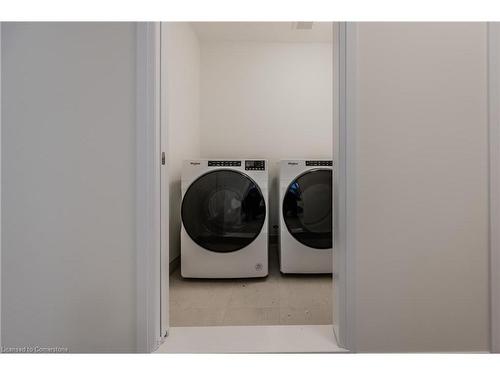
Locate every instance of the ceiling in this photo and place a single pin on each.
(262, 32)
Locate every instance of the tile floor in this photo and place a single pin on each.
(276, 300)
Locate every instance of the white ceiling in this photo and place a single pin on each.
(262, 32)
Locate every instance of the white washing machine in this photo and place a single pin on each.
(224, 230)
(305, 202)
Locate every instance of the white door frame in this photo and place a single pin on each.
(344, 158)
(0, 185)
(165, 191)
(152, 250)
(148, 164)
(494, 176)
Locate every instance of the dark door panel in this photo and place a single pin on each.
(223, 211)
(307, 208)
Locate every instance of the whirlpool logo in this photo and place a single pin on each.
(293, 163)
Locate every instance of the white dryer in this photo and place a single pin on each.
(224, 230)
(305, 203)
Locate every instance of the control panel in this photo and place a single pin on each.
(224, 163)
(319, 163)
(255, 165)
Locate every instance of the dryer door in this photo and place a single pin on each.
(307, 208)
(223, 211)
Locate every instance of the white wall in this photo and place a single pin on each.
(266, 100)
(421, 172)
(183, 111)
(68, 186)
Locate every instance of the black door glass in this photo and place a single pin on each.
(307, 208)
(223, 211)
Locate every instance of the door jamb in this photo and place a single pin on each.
(148, 161)
(344, 198)
(165, 190)
(0, 185)
(494, 180)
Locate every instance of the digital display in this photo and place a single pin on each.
(255, 165)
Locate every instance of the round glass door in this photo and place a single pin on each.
(307, 208)
(223, 211)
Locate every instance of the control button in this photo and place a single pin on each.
(319, 163)
(221, 163)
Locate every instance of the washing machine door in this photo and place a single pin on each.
(223, 211)
(307, 208)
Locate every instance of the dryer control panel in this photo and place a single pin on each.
(318, 163)
(224, 163)
(255, 165)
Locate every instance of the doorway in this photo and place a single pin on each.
(237, 302)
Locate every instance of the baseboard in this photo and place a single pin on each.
(174, 264)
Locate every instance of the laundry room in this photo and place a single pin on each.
(248, 109)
